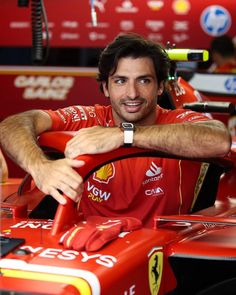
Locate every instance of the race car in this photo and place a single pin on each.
(182, 254)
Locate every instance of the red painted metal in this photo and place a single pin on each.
(127, 265)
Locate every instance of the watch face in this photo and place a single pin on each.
(127, 125)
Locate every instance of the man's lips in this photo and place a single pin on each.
(132, 106)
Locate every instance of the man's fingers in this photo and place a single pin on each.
(71, 152)
(69, 191)
(64, 178)
(57, 196)
(73, 182)
(71, 176)
(76, 163)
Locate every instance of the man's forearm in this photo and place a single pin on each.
(18, 139)
(203, 139)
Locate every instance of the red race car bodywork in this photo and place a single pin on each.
(182, 254)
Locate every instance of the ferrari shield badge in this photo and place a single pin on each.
(155, 266)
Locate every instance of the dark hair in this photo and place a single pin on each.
(223, 45)
(135, 46)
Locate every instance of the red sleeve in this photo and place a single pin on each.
(76, 117)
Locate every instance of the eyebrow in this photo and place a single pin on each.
(146, 76)
(125, 77)
(118, 76)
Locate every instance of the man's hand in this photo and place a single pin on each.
(94, 140)
(51, 176)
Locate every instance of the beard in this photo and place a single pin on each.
(137, 111)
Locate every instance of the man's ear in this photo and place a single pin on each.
(160, 88)
(105, 90)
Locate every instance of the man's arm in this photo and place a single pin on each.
(202, 139)
(18, 136)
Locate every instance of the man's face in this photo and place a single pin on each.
(133, 91)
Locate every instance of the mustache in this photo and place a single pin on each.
(138, 99)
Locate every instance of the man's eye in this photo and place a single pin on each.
(119, 81)
(145, 81)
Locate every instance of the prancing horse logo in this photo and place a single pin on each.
(155, 267)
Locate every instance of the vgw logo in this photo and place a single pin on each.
(215, 20)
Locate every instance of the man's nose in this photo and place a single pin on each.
(132, 90)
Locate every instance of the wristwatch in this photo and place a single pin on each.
(128, 129)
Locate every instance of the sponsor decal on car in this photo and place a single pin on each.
(33, 224)
(155, 267)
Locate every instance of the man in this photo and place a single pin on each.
(132, 74)
(223, 55)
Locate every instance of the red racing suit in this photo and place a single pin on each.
(138, 187)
